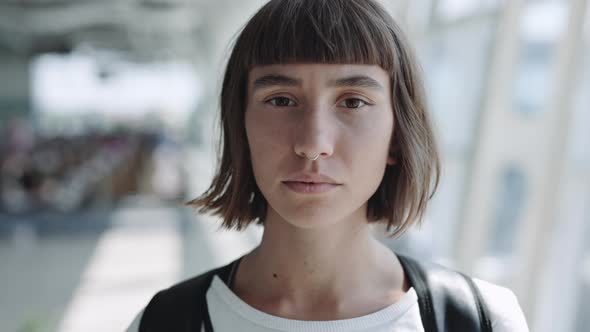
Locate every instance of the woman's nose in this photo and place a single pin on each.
(314, 136)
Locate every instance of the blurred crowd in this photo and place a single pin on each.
(67, 173)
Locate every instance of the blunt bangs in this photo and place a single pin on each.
(319, 31)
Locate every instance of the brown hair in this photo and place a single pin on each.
(326, 31)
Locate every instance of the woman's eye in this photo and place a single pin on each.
(353, 103)
(281, 102)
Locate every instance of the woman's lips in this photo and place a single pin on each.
(310, 188)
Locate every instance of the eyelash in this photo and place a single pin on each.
(363, 103)
(272, 102)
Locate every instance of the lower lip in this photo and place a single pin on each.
(310, 188)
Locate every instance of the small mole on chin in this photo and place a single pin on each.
(274, 275)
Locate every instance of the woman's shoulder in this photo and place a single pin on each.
(504, 308)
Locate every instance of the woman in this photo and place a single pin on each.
(325, 132)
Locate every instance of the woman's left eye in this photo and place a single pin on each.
(353, 103)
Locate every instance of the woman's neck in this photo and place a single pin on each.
(341, 269)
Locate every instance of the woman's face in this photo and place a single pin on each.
(340, 113)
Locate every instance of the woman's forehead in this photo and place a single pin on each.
(319, 71)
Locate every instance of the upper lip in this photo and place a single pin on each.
(311, 178)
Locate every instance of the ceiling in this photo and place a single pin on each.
(144, 29)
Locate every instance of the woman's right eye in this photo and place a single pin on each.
(281, 102)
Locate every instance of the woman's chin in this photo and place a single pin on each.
(313, 215)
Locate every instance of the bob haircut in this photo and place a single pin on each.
(331, 32)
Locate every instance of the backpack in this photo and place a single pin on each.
(448, 301)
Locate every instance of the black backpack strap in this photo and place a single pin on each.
(181, 307)
(449, 300)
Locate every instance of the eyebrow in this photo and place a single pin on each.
(361, 81)
(274, 80)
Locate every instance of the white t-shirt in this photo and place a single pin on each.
(229, 313)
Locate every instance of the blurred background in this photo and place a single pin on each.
(107, 125)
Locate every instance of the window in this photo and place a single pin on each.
(510, 201)
(456, 78)
(449, 10)
(541, 26)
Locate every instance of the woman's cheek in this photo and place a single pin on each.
(268, 137)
